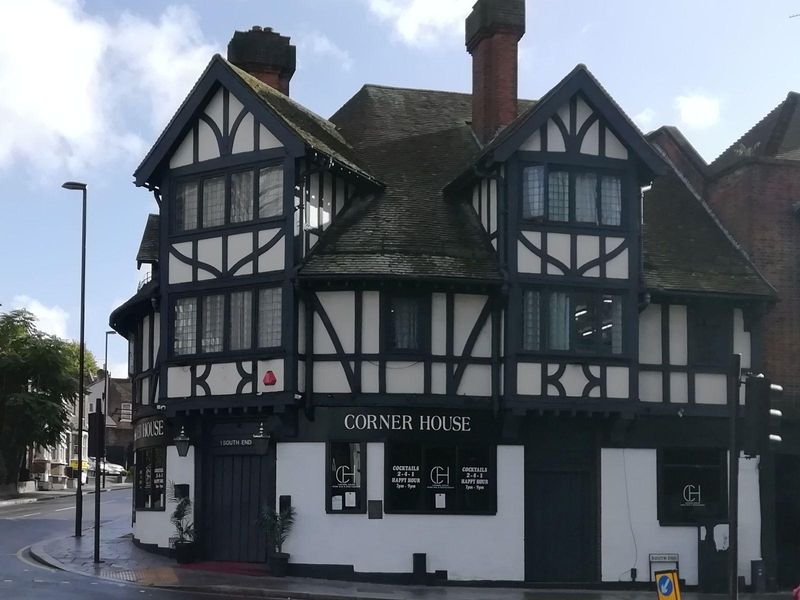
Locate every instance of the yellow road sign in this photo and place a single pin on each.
(667, 585)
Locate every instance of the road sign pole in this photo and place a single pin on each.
(97, 462)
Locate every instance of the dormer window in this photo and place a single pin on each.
(228, 199)
(560, 195)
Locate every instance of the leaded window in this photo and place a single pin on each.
(185, 329)
(213, 311)
(241, 197)
(270, 192)
(571, 195)
(186, 207)
(214, 202)
(269, 317)
(238, 197)
(241, 320)
(558, 196)
(533, 192)
(572, 321)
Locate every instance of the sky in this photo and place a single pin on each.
(87, 86)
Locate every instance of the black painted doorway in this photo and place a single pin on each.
(561, 501)
(237, 487)
(560, 530)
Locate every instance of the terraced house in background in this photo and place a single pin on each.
(467, 335)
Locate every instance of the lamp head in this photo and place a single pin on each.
(73, 185)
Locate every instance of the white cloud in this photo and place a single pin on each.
(644, 119)
(423, 22)
(698, 110)
(317, 44)
(50, 319)
(65, 88)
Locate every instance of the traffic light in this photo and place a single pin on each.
(762, 418)
(97, 433)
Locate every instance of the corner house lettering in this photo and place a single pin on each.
(394, 422)
(149, 429)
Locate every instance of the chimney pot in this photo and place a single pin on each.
(264, 54)
(492, 32)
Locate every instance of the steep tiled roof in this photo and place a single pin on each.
(316, 131)
(415, 141)
(148, 247)
(777, 135)
(685, 250)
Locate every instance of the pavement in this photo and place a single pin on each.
(124, 562)
(38, 496)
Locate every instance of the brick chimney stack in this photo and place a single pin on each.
(493, 30)
(264, 54)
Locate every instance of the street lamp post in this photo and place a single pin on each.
(74, 185)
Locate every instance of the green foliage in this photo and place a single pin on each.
(277, 525)
(38, 386)
(181, 517)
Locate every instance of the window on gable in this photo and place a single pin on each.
(710, 334)
(238, 197)
(562, 195)
(568, 321)
(404, 318)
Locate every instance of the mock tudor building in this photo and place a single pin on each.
(467, 335)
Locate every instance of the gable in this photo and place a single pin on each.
(577, 115)
(577, 127)
(207, 125)
(224, 126)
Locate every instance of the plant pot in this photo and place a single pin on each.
(184, 552)
(279, 564)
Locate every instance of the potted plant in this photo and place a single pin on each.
(277, 525)
(181, 519)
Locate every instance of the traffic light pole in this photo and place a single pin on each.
(734, 378)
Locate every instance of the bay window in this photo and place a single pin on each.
(572, 321)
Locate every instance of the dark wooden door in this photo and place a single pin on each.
(238, 486)
(559, 526)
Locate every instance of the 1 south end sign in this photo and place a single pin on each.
(407, 422)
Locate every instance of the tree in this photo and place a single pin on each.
(38, 388)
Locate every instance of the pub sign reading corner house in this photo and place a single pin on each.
(467, 345)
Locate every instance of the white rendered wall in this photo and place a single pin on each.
(468, 547)
(153, 527)
(629, 509)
